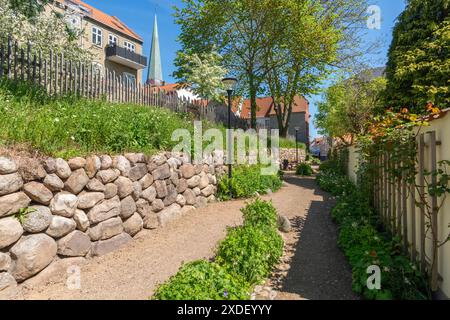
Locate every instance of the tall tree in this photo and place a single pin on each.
(418, 69)
(238, 30)
(28, 8)
(349, 106)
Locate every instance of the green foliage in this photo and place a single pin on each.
(72, 126)
(349, 106)
(364, 245)
(203, 280)
(304, 169)
(418, 68)
(251, 252)
(204, 73)
(22, 214)
(29, 8)
(260, 213)
(290, 144)
(244, 258)
(247, 181)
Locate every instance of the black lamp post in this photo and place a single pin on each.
(297, 129)
(230, 84)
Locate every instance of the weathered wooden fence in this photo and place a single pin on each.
(400, 201)
(59, 76)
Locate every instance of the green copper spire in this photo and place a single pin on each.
(155, 76)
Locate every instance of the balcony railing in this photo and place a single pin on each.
(126, 57)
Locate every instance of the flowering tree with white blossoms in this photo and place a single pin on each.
(46, 31)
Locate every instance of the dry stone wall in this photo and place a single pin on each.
(54, 209)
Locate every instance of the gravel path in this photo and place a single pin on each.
(317, 270)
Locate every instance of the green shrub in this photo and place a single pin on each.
(260, 213)
(203, 280)
(250, 252)
(364, 245)
(247, 181)
(304, 169)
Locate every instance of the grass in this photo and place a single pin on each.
(290, 144)
(71, 126)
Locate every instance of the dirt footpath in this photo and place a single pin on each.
(313, 267)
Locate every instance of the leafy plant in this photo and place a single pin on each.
(203, 280)
(250, 252)
(247, 181)
(304, 169)
(260, 213)
(22, 214)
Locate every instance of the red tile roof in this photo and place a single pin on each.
(110, 21)
(265, 107)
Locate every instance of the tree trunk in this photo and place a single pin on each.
(253, 105)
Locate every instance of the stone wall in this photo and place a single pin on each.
(291, 155)
(52, 209)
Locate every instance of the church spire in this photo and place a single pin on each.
(155, 76)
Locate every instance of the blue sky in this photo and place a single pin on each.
(138, 14)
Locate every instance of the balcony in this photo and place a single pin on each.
(126, 57)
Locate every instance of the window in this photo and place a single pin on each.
(129, 79)
(112, 40)
(130, 46)
(97, 38)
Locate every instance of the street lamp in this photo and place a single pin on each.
(297, 129)
(230, 85)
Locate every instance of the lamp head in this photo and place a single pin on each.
(229, 83)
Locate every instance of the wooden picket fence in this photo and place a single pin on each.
(59, 76)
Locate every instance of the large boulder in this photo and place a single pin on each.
(64, 204)
(149, 194)
(204, 180)
(10, 183)
(31, 169)
(95, 185)
(7, 166)
(162, 172)
(107, 176)
(138, 172)
(123, 164)
(81, 220)
(157, 205)
(62, 169)
(75, 244)
(5, 261)
(106, 162)
(127, 207)
(194, 181)
(124, 187)
(181, 200)
(77, 163)
(111, 191)
(161, 189)
(201, 202)
(190, 197)
(88, 200)
(209, 190)
(137, 190)
(10, 231)
(133, 225)
(182, 185)
(169, 214)
(53, 182)
(171, 195)
(105, 210)
(31, 255)
(38, 192)
(187, 171)
(60, 226)
(7, 281)
(38, 219)
(101, 248)
(93, 164)
(77, 181)
(146, 181)
(12, 203)
(50, 165)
